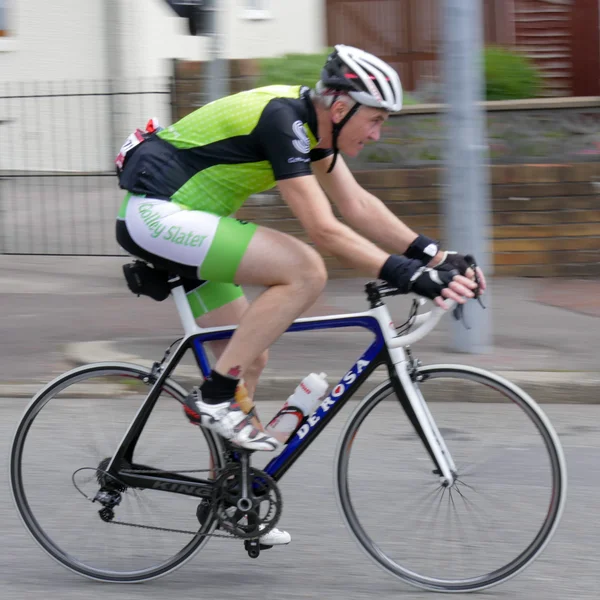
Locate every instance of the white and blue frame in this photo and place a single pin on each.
(387, 348)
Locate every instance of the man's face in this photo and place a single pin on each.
(363, 126)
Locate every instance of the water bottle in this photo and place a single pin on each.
(302, 403)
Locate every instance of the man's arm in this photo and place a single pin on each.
(367, 213)
(363, 210)
(311, 207)
(309, 204)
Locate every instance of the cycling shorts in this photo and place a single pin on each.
(203, 248)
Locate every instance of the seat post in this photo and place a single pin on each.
(183, 307)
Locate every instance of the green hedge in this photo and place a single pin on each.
(509, 76)
(292, 69)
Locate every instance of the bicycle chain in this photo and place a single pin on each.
(219, 535)
(154, 528)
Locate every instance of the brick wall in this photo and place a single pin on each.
(546, 218)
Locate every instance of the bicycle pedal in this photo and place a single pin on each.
(264, 547)
(253, 548)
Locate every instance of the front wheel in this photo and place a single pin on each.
(492, 522)
(63, 442)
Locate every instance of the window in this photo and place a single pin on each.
(254, 9)
(3, 19)
(7, 39)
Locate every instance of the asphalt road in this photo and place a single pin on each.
(323, 561)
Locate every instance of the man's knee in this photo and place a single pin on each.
(313, 272)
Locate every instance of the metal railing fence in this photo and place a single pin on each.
(58, 139)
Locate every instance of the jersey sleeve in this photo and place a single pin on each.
(284, 141)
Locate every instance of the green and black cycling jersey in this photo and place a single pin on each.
(217, 156)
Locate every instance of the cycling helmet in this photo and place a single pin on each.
(365, 78)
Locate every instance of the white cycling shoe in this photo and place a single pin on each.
(229, 421)
(275, 537)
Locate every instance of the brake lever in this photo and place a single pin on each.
(459, 310)
(477, 290)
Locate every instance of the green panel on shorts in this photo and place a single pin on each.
(123, 209)
(212, 295)
(227, 250)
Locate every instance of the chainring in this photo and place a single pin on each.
(263, 494)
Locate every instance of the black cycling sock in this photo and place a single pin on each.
(218, 388)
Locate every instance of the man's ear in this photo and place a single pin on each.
(338, 111)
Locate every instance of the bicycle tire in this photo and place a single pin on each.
(557, 497)
(19, 486)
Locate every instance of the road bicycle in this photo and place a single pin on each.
(461, 502)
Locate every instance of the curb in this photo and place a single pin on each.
(546, 387)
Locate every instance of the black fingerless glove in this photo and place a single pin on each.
(423, 249)
(411, 276)
(430, 283)
(454, 260)
(398, 271)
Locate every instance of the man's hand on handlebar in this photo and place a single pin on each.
(409, 275)
(466, 265)
(428, 252)
(460, 289)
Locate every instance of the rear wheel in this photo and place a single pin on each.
(62, 446)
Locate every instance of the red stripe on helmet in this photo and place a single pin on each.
(354, 76)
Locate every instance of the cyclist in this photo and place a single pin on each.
(185, 182)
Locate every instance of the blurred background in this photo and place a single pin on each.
(513, 116)
(77, 77)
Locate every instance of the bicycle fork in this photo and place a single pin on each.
(420, 416)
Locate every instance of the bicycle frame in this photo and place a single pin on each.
(386, 349)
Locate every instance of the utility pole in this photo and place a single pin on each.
(203, 19)
(467, 207)
(217, 85)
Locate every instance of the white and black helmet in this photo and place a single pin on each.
(368, 80)
(365, 78)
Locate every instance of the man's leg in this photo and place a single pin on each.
(221, 250)
(294, 275)
(225, 250)
(231, 314)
